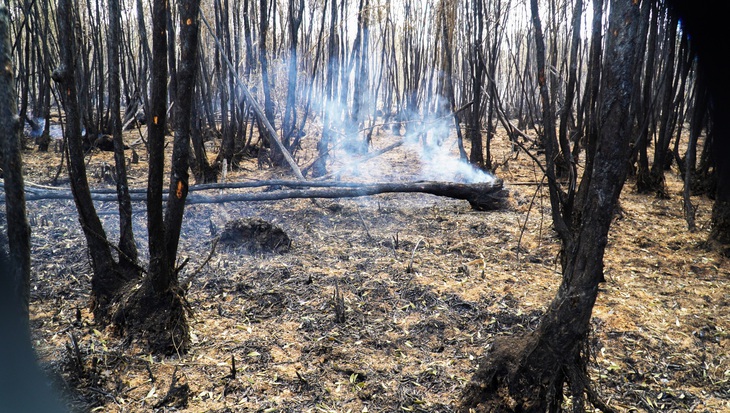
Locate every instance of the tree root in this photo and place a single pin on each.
(523, 374)
(159, 320)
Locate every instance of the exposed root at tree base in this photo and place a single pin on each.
(721, 222)
(158, 320)
(523, 374)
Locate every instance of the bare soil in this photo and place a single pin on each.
(426, 283)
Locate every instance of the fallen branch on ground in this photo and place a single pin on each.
(481, 196)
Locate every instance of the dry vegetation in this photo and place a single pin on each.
(426, 283)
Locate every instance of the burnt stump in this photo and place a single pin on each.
(254, 235)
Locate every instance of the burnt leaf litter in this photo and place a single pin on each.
(424, 284)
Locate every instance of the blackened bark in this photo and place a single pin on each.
(18, 236)
(570, 88)
(250, 60)
(127, 246)
(155, 310)
(448, 82)
(159, 269)
(189, 28)
(106, 281)
(695, 128)
(558, 202)
(290, 112)
(24, 387)
(661, 150)
(706, 26)
(204, 172)
(721, 147)
(643, 175)
(320, 165)
(476, 63)
(171, 64)
(145, 57)
(529, 373)
(264, 60)
(497, 34)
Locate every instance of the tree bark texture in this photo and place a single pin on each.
(106, 280)
(159, 269)
(179, 177)
(527, 373)
(127, 246)
(18, 235)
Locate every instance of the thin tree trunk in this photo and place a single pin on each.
(127, 246)
(180, 154)
(156, 141)
(290, 112)
(695, 128)
(106, 281)
(661, 149)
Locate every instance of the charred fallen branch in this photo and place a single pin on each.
(481, 196)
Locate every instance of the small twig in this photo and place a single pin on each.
(75, 352)
(233, 367)
(189, 279)
(149, 372)
(527, 217)
(409, 269)
(339, 303)
(365, 225)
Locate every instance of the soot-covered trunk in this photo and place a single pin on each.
(529, 373)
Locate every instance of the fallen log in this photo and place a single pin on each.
(481, 196)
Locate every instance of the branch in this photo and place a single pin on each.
(481, 196)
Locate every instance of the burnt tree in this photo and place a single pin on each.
(18, 229)
(156, 311)
(23, 386)
(107, 279)
(127, 247)
(529, 373)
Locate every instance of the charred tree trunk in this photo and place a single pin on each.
(203, 171)
(18, 235)
(695, 128)
(171, 63)
(586, 118)
(570, 88)
(290, 113)
(127, 247)
(661, 149)
(145, 57)
(333, 63)
(23, 386)
(264, 60)
(706, 26)
(494, 50)
(643, 174)
(529, 373)
(447, 87)
(559, 202)
(106, 280)
(476, 63)
(189, 29)
(156, 311)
